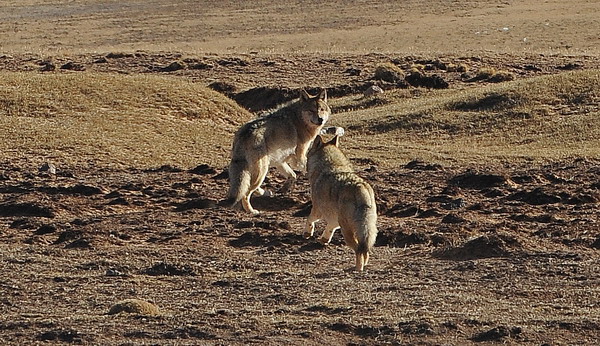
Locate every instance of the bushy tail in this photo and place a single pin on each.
(239, 181)
(367, 233)
(367, 226)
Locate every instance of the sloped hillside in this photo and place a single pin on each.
(114, 120)
(541, 118)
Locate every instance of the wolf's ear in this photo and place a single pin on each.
(304, 96)
(322, 95)
(335, 141)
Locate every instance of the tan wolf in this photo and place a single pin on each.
(278, 139)
(342, 199)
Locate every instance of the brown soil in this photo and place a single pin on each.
(508, 255)
(465, 255)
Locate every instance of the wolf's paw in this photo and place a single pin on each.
(262, 193)
(323, 241)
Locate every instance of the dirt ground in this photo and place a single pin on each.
(462, 256)
(465, 255)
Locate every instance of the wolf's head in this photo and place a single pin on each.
(326, 156)
(318, 145)
(314, 109)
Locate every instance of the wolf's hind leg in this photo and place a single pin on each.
(259, 174)
(352, 242)
(360, 262)
(327, 235)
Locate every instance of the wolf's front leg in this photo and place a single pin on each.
(287, 171)
(299, 157)
(309, 230)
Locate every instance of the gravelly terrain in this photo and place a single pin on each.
(462, 256)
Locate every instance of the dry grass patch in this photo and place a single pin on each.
(388, 72)
(135, 306)
(538, 119)
(114, 120)
(490, 74)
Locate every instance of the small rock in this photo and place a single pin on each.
(72, 66)
(373, 90)
(48, 167)
(45, 229)
(114, 272)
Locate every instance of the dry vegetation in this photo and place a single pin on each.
(487, 187)
(91, 119)
(538, 119)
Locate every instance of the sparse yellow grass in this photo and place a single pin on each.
(538, 119)
(85, 119)
(135, 306)
(114, 120)
(490, 74)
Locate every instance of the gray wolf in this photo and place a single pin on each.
(342, 199)
(279, 139)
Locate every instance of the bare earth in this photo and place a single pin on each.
(465, 255)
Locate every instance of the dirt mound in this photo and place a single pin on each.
(537, 196)
(481, 247)
(268, 97)
(134, 306)
(419, 79)
(166, 269)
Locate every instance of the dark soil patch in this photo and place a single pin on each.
(25, 209)
(166, 269)
(78, 189)
(537, 196)
(256, 239)
(497, 333)
(45, 229)
(61, 335)
(203, 169)
(475, 180)
(274, 203)
(492, 101)
(481, 247)
(400, 239)
(263, 98)
(423, 166)
(197, 203)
